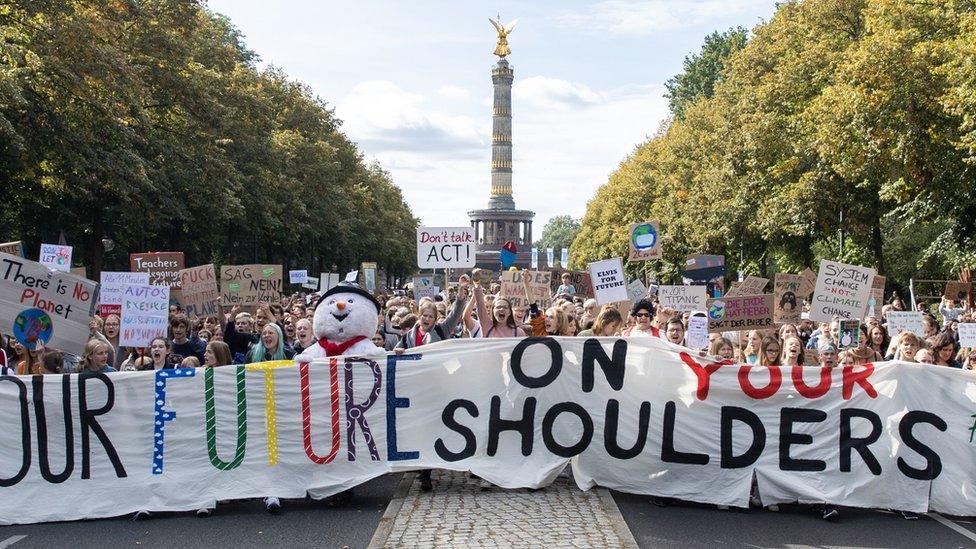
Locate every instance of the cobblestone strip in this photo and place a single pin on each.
(458, 513)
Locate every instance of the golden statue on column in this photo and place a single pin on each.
(502, 49)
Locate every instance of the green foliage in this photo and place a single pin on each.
(149, 123)
(559, 233)
(833, 106)
(704, 69)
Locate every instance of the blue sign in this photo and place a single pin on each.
(31, 326)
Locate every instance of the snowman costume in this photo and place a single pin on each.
(344, 322)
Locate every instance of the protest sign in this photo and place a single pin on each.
(787, 298)
(578, 279)
(369, 275)
(753, 312)
(246, 285)
(163, 267)
(848, 333)
(636, 290)
(56, 257)
(298, 276)
(877, 295)
(199, 294)
(967, 334)
(958, 291)
(311, 283)
(423, 286)
(145, 312)
(446, 247)
(682, 298)
(841, 290)
(110, 291)
(327, 281)
(609, 283)
(697, 429)
(705, 269)
(901, 321)
(697, 335)
(513, 289)
(37, 304)
(537, 284)
(535, 258)
(13, 248)
(809, 283)
(645, 242)
(752, 285)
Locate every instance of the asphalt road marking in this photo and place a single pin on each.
(10, 541)
(947, 523)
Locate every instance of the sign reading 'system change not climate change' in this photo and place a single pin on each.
(445, 247)
(842, 290)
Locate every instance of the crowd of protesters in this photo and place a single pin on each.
(468, 309)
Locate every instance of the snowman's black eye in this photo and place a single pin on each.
(351, 300)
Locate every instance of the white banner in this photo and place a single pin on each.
(446, 247)
(145, 311)
(637, 415)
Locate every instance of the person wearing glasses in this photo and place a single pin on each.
(643, 312)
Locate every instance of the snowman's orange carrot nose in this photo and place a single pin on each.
(341, 305)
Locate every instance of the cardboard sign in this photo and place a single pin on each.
(446, 247)
(537, 284)
(636, 290)
(327, 281)
(967, 334)
(842, 290)
(298, 276)
(682, 298)
(513, 289)
(848, 333)
(163, 267)
(55, 257)
(609, 283)
(246, 285)
(958, 291)
(145, 314)
(579, 279)
(110, 292)
(902, 321)
(645, 241)
(697, 335)
(877, 295)
(37, 304)
(809, 283)
(311, 283)
(751, 312)
(13, 248)
(752, 285)
(199, 296)
(787, 298)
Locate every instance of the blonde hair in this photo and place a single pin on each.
(90, 349)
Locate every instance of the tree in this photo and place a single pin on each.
(559, 232)
(704, 69)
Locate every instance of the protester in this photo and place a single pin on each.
(159, 354)
(864, 353)
(675, 331)
(183, 344)
(944, 351)
(557, 323)
(722, 348)
(501, 322)
(642, 312)
(95, 358)
(304, 338)
(217, 354)
(792, 351)
(769, 350)
(607, 324)
(905, 346)
(271, 346)
(428, 330)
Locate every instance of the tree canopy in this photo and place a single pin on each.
(150, 123)
(559, 232)
(853, 108)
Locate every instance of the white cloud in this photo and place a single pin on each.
(554, 93)
(567, 139)
(639, 18)
(383, 117)
(456, 93)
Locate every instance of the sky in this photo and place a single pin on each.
(411, 82)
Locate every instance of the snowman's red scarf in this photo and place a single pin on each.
(337, 349)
